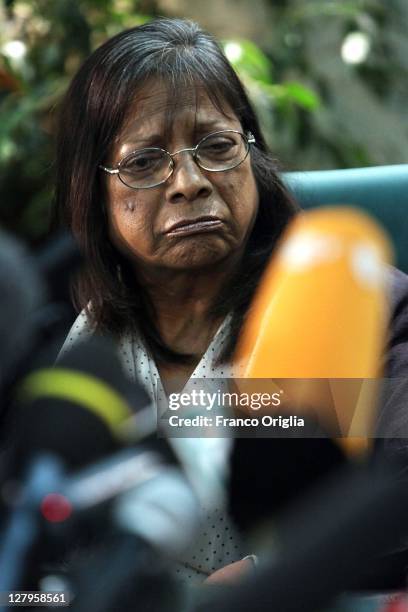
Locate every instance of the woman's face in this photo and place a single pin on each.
(141, 221)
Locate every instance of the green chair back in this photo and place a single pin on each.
(381, 191)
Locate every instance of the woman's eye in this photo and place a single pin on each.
(142, 162)
(217, 147)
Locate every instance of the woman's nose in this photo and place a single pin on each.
(188, 181)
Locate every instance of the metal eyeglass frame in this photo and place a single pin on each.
(249, 137)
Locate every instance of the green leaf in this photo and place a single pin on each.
(247, 58)
(303, 96)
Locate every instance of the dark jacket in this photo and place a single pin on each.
(392, 424)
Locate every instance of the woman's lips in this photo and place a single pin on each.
(197, 226)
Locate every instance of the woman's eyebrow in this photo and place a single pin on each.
(136, 140)
(202, 126)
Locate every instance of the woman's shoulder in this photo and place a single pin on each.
(130, 347)
(80, 331)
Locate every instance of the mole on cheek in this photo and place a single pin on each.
(130, 206)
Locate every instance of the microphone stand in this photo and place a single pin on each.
(125, 562)
(23, 526)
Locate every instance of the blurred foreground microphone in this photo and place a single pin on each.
(81, 409)
(68, 416)
(21, 292)
(35, 305)
(63, 418)
(319, 317)
(321, 312)
(57, 261)
(326, 542)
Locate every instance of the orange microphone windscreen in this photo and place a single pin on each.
(321, 312)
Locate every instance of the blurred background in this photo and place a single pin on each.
(327, 77)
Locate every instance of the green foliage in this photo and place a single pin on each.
(56, 36)
(248, 60)
(317, 110)
(255, 69)
(360, 116)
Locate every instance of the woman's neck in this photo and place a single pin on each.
(183, 306)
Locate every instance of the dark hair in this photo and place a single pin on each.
(93, 112)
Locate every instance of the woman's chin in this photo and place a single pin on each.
(195, 258)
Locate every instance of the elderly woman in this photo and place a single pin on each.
(165, 179)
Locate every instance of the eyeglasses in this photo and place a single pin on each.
(150, 167)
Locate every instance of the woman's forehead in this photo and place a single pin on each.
(156, 104)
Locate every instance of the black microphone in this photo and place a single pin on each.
(22, 291)
(268, 475)
(81, 411)
(36, 307)
(63, 417)
(321, 547)
(56, 262)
